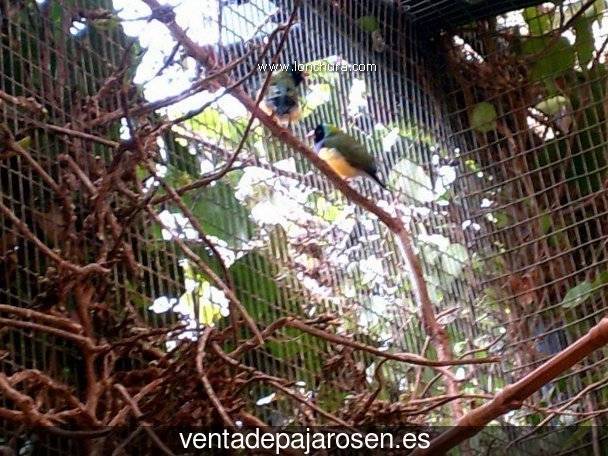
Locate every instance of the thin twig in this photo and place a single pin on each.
(138, 414)
(234, 300)
(309, 404)
(200, 355)
(410, 358)
(92, 268)
(77, 134)
(561, 408)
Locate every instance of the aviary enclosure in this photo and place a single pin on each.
(172, 257)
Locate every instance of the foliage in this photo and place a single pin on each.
(483, 117)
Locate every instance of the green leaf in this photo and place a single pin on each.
(141, 172)
(256, 285)
(596, 76)
(56, 13)
(220, 213)
(553, 105)
(454, 259)
(294, 347)
(106, 24)
(156, 231)
(177, 177)
(539, 22)
(499, 218)
(601, 279)
(483, 117)
(440, 251)
(213, 124)
(577, 295)
(25, 142)
(472, 165)
(587, 170)
(546, 223)
(368, 23)
(210, 121)
(325, 209)
(584, 43)
(253, 277)
(412, 179)
(481, 354)
(414, 132)
(318, 95)
(599, 6)
(198, 303)
(551, 62)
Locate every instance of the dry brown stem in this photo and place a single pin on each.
(513, 396)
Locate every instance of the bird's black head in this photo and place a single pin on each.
(319, 134)
(296, 75)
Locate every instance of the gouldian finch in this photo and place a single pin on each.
(344, 154)
(282, 99)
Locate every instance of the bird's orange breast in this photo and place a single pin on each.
(338, 163)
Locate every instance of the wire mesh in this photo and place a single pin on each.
(456, 12)
(537, 209)
(504, 194)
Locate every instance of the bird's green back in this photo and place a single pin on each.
(351, 149)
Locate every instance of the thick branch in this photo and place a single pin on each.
(54, 320)
(512, 396)
(25, 403)
(80, 340)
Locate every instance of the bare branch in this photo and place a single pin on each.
(200, 355)
(24, 403)
(92, 268)
(512, 396)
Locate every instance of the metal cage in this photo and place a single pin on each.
(488, 120)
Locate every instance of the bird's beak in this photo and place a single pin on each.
(310, 134)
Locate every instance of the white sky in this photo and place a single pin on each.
(199, 18)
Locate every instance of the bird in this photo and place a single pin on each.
(282, 99)
(344, 154)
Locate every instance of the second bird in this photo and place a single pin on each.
(282, 99)
(344, 154)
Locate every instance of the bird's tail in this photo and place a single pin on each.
(375, 177)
